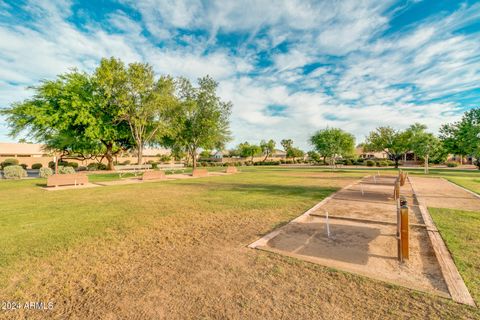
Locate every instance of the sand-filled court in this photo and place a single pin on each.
(361, 236)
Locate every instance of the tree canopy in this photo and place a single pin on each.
(200, 119)
(72, 117)
(463, 137)
(267, 148)
(393, 142)
(332, 143)
(249, 150)
(422, 143)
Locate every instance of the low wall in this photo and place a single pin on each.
(45, 160)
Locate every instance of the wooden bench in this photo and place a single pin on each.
(231, 169)
(154, 175)
(135, 168)
(172, 167)
(67, 179)
(200, 173)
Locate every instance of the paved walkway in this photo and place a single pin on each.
(440, 193)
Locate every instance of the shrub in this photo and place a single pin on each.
(390, 162)
(452, 164)
(65, 170)
(82, 168)
(383, 164)
(370, 163)
(126, 162)
(96, 166)
(45, 172)
(14, 172)
(37, 166)
(154, 165)
(24, 166)
(348, 162)
(74, 165)
(9, 162)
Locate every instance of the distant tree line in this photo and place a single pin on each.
(459, 138)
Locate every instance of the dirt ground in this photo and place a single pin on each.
(439, 193)
(194, 264)
(364, 247)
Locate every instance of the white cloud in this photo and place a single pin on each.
(366, 79)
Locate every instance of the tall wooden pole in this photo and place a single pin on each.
(404, 231)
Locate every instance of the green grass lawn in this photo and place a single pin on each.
(461, 232)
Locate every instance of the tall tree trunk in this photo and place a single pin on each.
(266, 156)
(396, 162)
(193, 154)
(109, 156)
(426, 164)
(140, 153)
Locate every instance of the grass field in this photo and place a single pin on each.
(177, 249)
(461, 232)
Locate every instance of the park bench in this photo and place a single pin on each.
(154, 175)
(135, 168)
(172, 167)
(231, 169)
(200, 173)
(67, 179)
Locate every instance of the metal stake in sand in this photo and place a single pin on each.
(375, 179)
(361, 187)
(327, 223)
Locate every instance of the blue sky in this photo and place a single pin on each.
(289, 67)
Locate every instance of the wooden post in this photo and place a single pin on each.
(402, 178)
(399, 242)
(396, 190)
(404, 231)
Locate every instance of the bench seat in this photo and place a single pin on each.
(67, 179)
(154, 175)
(200, 173)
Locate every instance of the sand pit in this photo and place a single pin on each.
(367, 249)
(362, 223)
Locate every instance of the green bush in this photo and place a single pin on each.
(348, 162)
(24, 166)
(82, 168)
(126, 162)
(74, 165)
(45, 172)
(370, 163)
(382, 164)
(36, 166)
(154, 165)
(65, 170)
(452, 164)
(14, 172)
(9, 162)
(93, 166)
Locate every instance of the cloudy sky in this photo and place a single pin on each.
(289, 67)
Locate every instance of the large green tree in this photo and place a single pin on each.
(71, 116)
(141, 100)
(249, 150)
(463, 137)
(201, 118)
(332, 143)
(393, 142)
(268, 147)
(422, 143)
